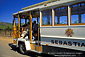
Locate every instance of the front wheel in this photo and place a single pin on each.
(22, 48)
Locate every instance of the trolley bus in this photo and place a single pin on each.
(61, 27)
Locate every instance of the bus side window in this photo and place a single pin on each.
(46, 17)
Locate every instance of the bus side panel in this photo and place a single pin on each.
(53, 31)
(56, 37)
(74, 44)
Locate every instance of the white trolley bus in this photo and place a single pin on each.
(61, 27)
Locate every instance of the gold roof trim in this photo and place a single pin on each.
(39, 4)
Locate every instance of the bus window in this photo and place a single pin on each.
(37, 19)
(34, 19)
(74, 19)
(63, 20)
(16, 22)
(61, 15)
(83, 18)
(78, 14)
(46, 17)
(22, 22)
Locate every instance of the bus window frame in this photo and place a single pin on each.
(54, 17)
(71, 15)
(42, 17)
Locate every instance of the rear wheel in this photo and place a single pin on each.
(22, 48)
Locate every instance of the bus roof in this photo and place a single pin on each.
(50, 4)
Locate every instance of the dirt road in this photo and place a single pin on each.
(6, 50)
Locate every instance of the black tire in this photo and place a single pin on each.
(22, 48)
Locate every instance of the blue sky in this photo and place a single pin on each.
(8, 7)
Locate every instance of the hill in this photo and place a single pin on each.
(4, 25)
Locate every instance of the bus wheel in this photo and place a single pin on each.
(22, 48)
